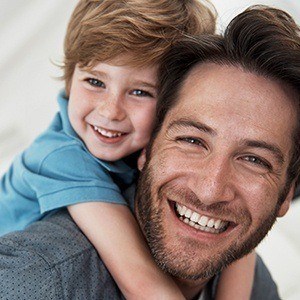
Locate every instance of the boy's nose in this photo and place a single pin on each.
(112, 109)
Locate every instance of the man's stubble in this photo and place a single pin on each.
(183, 265)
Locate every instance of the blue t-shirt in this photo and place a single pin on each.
(57, 170)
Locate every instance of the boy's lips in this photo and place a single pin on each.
(108, 133)
(108, 136)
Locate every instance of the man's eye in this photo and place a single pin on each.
(191, 140)
(95, 82)
(258, 161)
(141, 93)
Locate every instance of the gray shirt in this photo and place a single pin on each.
(52, 259)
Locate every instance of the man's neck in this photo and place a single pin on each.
(190, 288)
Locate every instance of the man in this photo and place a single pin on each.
(221, 167)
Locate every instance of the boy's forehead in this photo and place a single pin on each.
(145, 76)
(126, 59)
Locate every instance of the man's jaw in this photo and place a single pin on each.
(189, 254)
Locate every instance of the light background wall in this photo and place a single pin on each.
(31, 37)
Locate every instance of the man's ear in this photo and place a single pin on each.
(141, 160)
(287, 202)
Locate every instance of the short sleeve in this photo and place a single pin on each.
(70, 175)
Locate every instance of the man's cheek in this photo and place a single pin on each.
(263, 200)
(169, 166)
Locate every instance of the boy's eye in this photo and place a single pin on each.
(141, 93)
(95, 82)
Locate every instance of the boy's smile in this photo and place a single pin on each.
(112, 108)
(109, 136)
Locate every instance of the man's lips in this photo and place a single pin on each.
(200, 221)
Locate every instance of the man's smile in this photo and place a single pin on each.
(200, 222)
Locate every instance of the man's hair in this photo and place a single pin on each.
(101, 30)
(261, 40)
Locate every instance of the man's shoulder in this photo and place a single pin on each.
(264, 286)
(52, 259)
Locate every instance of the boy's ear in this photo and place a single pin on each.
(287, 202)
(141, 160)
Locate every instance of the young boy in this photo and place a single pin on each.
(86, 159)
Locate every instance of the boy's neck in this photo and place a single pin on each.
(131, 160)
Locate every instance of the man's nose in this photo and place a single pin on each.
(112, 108)
(213, 181)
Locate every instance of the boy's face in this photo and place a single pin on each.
(112, 108)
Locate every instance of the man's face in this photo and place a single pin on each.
(218, 167)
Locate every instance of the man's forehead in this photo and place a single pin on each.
(227, 82)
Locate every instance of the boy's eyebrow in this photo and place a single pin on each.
(138, 82)
(145, 84)
(96, 73)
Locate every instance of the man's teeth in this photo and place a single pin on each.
(107, 133)
(197, 221)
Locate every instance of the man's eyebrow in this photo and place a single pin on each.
(194, 124)
(267, 146)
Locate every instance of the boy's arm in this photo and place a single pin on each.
(236, 281)
(113, 231)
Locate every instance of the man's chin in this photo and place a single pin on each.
(188, 262)
(188, 259)
(182, 252)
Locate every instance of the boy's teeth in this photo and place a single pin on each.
(199, 222)
(107, 133)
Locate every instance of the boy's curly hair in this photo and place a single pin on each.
(100, 30)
